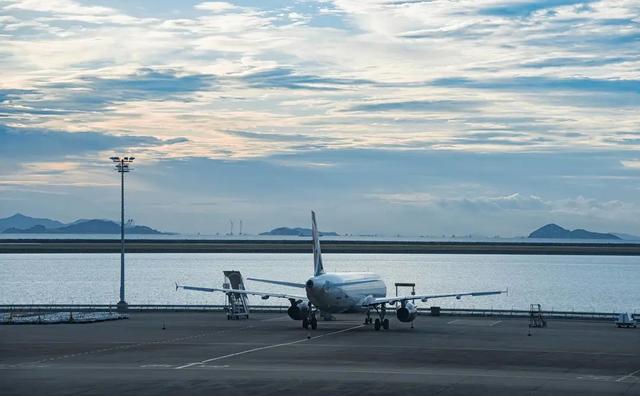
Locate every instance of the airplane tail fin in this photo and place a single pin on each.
(317, 254)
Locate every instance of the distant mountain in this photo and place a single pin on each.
(626, 237)
(36, 229)
(25, 225)
(556, 232)
(102, 227)
(296, 232)
(19, 220)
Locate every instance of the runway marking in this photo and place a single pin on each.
(606, 378)
(630, 375)
(214, 366)
(265, 348)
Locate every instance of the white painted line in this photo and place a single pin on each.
(265, 348)
(630, 375)
(495, 323)
(592, 377)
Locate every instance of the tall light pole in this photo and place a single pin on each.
(122, 166)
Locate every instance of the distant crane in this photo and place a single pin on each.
(231, 223)
(240, 233)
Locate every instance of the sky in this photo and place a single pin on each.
(386, 117)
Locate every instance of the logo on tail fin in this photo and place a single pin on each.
(317, 254)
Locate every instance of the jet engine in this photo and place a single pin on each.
(298, 310)
(407, 312)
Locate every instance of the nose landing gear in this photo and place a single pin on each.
(310, 320)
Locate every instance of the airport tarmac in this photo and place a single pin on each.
(269, 354)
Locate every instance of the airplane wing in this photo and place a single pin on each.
(264, 295)
(281, 283)
(373, 301)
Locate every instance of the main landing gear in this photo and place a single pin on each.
(310, 320)
(380, 321)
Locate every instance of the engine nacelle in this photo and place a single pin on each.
(298, 311)
(407, 313)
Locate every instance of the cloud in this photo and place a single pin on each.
(521, 9)
(149, 82)
(282, 77)
(28, 144)
(418, 105)
(95, 92)
(514, 203)
(274, 137)
(589, 61)
(59, 7)
(10, 94)
(631, 164)
(67, 10)
(546, 84)
(336, 100)
(215, 6)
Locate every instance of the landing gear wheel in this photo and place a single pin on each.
(305, 323)
(385, 324)
(376, 324)
(314, 323)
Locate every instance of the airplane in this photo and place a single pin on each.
(341, 292)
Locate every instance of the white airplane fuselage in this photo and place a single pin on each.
(342, 291)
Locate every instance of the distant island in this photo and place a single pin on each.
(556, 232)
(21, 224)
(303, 232)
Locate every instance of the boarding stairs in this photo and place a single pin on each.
(237, 305)
(535, 316)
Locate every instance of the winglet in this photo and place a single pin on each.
(317, 254)
(177, 286)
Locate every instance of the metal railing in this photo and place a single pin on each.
(469, 312)
(517, 313)
(132, 308)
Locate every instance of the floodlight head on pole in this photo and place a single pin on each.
(122, 163)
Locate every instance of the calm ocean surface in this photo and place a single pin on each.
(581, 283)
